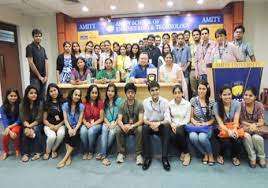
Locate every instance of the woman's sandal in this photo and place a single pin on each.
(36, 157)
(235, 161)
(99, 157)
(106, 162)
(25, 158)
(220, 160)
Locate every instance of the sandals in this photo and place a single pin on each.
(99, 157)
(25, 158)
(4, 156)
(36, 157)
(54, 155)
(106, 162)
(205, 160)
(262, 163)
(220, 160)
(60, 165)
(85, 156)
(187, 160)
(235, 161)
(68, 162)
(182, 157)
(252, 164)
(46, 156)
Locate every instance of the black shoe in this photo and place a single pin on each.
(146, 164)
(166, 164)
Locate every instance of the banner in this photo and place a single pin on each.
(238, 75)
(130, 30)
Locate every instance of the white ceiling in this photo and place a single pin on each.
(102, 7)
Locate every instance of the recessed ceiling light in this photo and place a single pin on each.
(200, 2)
(170, 3)
(140, 5)
(84, 9)
(112, 7)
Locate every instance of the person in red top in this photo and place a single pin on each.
(92, 122)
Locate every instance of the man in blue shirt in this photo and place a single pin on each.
(138, 74)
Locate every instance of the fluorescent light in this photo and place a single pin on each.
(112, 7)
(170, 3)
(84, 9)
(200, 2)
(140, 5)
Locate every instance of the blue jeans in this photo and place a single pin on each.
(32, 145)
(89, 136)
(201, 142)
(107, 139)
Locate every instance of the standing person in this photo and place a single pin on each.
(174, 38)
(202, 115)
(92, 122)
(38, 62)
(252, 118)
(145, 43)
(196, 35)
(73, 112)
(11, 123)
(130, 121)
(244, 47)
(102, 47)
(226, 111)
(111, 108)
(182, 54)
(31, 113)
(153, 51)
(53, 121)
(76, 51)
(65, 64)
(80, 73)
(128, 48)
(97, 51)
(134, 55)
(108, 53)
(158, 41)
(187, 35)
(141, 45)
(179, 114)
(123, 63)
(90, 58)
(203, 55)
(139, 73)
(225, 51)
(155, 111)
(116, 47)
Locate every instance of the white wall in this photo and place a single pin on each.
(256, 24)
(25, 24)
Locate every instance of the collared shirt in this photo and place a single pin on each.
(245, 48)
(203, 57)
(155, 111)
(154, 53)
(226, 53)
(179, 114)
(39, 58)
(182, 55)
(140, 72)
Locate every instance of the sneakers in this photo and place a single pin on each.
(139, 160)
(120, 158)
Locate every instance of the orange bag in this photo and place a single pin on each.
(231, 126)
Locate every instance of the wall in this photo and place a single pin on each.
(255, 22)
(25, 24)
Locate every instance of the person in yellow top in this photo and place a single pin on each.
(123, 63)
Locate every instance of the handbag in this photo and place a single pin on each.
(231, 126)
(262, 131)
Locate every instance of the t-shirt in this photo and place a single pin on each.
(54, 112)
(111, 112)
(92, 111)
(104, 74)
(198, 115)
(39, 58)
(131, 112)
(228, 117)
(72, 116)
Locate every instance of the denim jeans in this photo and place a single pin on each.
(89, 136)
(107, 139)
(32, 145)
(201, 141)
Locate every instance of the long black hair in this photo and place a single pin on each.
(73, 47)
(106, 101)
(206, 84)
(253, 91)
(49, 99)
(76, 67)
(111, 51)
(220, 102)
(7, 107)
(131, 54)
(70, 100)
(26, 100)
(88, 96)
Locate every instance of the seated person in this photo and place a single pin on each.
(80, 74)
(108, 74)
(138, 74)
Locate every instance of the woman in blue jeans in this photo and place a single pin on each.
(111, 104)
(202, 108)
(92, 122)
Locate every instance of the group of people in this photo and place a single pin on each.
(202, 120)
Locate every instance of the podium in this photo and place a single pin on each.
(238, 75)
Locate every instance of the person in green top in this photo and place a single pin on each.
(108, 74)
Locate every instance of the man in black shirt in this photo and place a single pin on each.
(153, 51)
(37, 59)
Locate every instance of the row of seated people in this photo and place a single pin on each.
(226, 123)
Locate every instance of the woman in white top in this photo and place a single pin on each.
(179, 115)
(108, 53)
(172, 73)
